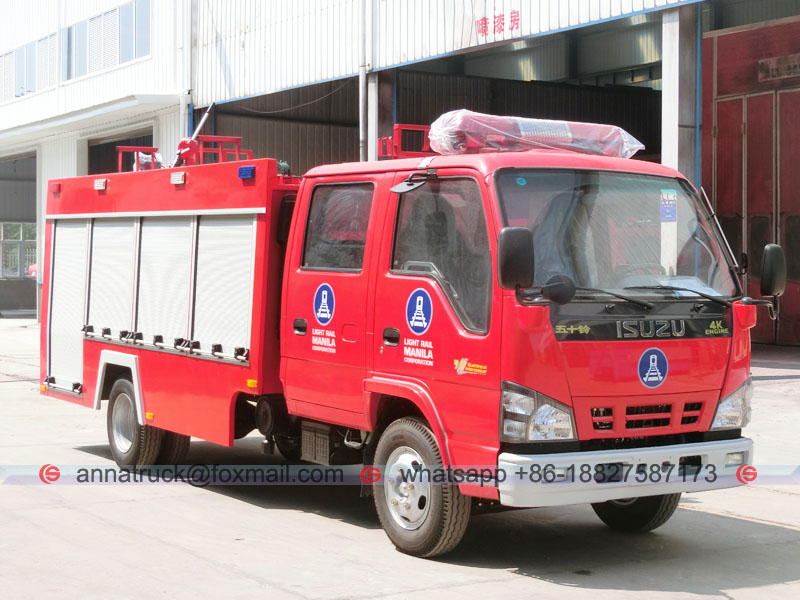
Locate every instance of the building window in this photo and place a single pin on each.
(7, 78)
(17, 249)
(28, 69)
(106, 40)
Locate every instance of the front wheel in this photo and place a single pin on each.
(637, 514)
(421, 517)
(131, 444)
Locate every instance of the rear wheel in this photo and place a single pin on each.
(174, 448)
(637, 514)
(131, 443)
(422, 518)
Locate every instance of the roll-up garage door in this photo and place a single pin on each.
(67, 302)
(111, 286)
(165, 272)
(224, 289)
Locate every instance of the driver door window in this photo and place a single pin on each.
(441, 232)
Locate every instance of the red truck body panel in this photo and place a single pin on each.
(186, 394)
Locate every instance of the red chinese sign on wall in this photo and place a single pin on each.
(498, 24)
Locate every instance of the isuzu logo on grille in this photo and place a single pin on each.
(648, 328)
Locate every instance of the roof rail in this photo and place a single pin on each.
(136, 150)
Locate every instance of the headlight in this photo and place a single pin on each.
(528, 416)
(733, 411)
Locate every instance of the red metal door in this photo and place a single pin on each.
(759, 202)
(789, 212)
(728, 170)
(325, 308)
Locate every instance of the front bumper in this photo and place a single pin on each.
(570, 478)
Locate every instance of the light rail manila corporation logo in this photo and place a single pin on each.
(419, 311)
(653, 368)
(324, 304)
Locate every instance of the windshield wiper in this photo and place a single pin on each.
(675, 288)
(643, 303)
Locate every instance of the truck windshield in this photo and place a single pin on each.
(613, 231)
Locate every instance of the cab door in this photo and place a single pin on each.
(325, 316)
(437, 310)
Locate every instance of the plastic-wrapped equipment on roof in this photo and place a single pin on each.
(466, 132)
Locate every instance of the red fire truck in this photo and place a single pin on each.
(572, 321)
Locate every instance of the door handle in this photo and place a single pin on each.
(300, 326)
(391, 336)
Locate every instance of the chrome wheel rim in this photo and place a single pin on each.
(123, 423)
(409, 502)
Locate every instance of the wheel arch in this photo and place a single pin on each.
(385, 396)
(119, 365)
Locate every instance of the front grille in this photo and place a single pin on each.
(648, 410)
(648, 416)
(691, 412)
(631, 416)
(647, 423)
(603, 418)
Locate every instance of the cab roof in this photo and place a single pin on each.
(486, 163)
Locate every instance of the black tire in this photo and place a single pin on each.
(131, 444)
(174, 448)
(423, 533)
(289, 446)
(637, 514)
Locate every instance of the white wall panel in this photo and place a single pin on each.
(253, 47)
(250, 47)
(412, 30)
(167, 133)
(158, 73)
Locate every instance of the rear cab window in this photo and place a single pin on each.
(336, 231)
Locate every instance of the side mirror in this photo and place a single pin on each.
(515, 258)
(773, 271)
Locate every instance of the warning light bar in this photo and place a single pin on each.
(466, 132)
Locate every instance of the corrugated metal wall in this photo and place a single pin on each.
(424, 96)
(735, 13)
(305, 126)
(413, 30)
(249, 47)
(538, 59)
(253, 47)
(303, 145)
(619, 48)
(331, 102)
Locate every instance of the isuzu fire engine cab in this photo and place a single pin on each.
(568, 321)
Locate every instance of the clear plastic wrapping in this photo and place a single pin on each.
(464, 132)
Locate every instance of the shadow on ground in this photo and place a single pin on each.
(697, 552)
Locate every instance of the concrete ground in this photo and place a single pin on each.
(176, 541)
